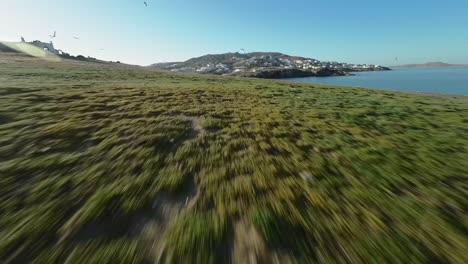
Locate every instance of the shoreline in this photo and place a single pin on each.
(378, 89)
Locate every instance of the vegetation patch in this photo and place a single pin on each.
(195, 238)
(212, 123)
(106, 163)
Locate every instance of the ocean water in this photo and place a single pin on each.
(429, 80)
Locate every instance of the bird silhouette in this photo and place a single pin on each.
(76, 38)
(146, 4)
(54, 35)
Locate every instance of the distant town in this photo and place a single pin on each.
(265, 65)
(264, 62)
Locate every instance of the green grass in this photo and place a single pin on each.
(195, 239)
(211, 123)
(101, 163)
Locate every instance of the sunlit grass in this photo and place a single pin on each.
(106, 163)
(31, 50)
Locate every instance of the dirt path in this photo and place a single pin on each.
(168, 207)
(248, 247)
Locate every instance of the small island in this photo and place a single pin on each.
(436, 64)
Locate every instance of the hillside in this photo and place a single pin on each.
(5, 48)
(106, 163)
(268, 65)
(33, 48)
(430, 65)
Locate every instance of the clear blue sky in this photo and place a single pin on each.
(357, 31)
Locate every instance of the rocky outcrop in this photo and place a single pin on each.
(292, 73)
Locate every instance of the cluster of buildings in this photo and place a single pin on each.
(255, 64)
(259, 63)
(48, 47)
(219, 68)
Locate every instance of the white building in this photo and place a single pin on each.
(49, 47)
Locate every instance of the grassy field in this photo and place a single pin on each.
(115, 164)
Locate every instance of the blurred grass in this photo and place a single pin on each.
(195, 239)
(86, 148)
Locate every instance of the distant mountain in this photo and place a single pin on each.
(436, 64)
(271, 65)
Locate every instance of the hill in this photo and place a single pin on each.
(35, 49)
(430, 65)
(270, 65)
(5, 48)
(107, 163)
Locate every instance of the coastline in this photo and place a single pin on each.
(297, 73)
(445, 81)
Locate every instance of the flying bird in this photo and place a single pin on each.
(146, 4)
(54, 35)
(76, 38)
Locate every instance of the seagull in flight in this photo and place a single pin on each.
(76, 38)
(54, 35)
(146, 4)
